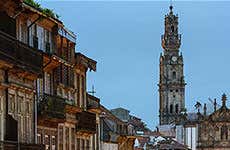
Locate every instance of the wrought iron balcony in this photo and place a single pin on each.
(51, 106)
(11, 145)
(92, 102)
(86, 122)
(20, 54)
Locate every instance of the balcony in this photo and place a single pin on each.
(51, 107)
(93, 103)
(86, 122)
(19, 54)
(10, 145)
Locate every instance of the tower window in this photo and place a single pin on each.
(224, 132)
(174, 75)
(171, 108)
(172, 28)
(177, 108)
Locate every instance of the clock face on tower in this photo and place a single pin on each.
(174, 58)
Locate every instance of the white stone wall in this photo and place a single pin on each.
(109, 146)
(191, 137)
(187, 136)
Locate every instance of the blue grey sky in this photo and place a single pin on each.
(124, 38)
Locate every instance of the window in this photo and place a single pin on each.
(72, 139)
(172, 28)
(174, 75)
(20, 104)
(11, 103)
(47, 142)
(87, 145)
(171, 108)
(82, 144)
(67, 137)
(39, 138)
(78, 144)
(53, 143)
(224, 132)
(23, 33)
(177, 108)
(27, 107)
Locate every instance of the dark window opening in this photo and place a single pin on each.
(177, 108)
(172, 28)
(171, 108)
(224, 133)
(174, 75)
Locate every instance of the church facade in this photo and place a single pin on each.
(171, 83)
(213, 129)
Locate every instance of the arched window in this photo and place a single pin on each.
(177, 108)
(174, 75)
(224, 132)
(171, 108)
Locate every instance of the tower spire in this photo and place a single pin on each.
(171, 6)
(171, 83)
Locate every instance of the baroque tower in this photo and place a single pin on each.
(171, 84)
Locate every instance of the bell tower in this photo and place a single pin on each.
(171, 83)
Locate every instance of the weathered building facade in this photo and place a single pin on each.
(213, 129)
(114, 133)
(43, 83)
(20, 66)
(171, 84)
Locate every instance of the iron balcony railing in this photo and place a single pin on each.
(92, 102)
(20, 54)
(51, 106)
(86, 122)
(14, 145)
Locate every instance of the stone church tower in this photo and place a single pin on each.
(171, 84)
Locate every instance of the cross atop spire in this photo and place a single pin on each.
(171, 6)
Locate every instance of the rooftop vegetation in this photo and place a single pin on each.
(45, 11)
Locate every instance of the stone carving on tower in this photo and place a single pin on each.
(171, 84)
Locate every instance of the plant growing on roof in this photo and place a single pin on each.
(46, 11)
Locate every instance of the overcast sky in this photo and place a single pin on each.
(124, 38)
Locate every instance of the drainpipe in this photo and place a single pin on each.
(6, 92)
(35, 114)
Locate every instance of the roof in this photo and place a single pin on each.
(85, 61)
(168, 143)
(108, 114)
(63, 31)
(120, 108)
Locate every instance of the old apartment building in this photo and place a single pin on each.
(21, 66)
(43, 83)
(43, 99)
